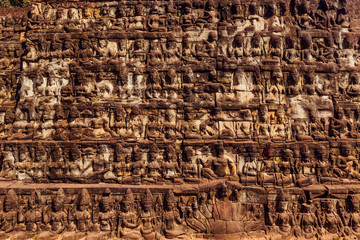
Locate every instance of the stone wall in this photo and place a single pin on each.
(160, 118)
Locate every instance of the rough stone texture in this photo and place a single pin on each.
(165, 119)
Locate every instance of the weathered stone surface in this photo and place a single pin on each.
(166, 119)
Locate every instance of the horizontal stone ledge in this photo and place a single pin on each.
(336, 190)
(185, 141)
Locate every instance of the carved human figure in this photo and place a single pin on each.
(100, 124)
(82, 216)
(154, 88)
(330, 222)
(353, 221)
(169, 128)
(262, 127)
(250, 167)
(253, 49)
(187, 18)
(119, 121)
(7, 166)
(275, 49)
(283, 221)
(299, 130)
(34, 214)
(154, 19)
(138, 85)
(211, 15)
(129, 222)
(323, 167)
(148, 217)
(9, 217)
(279, 130)
(220, 166)
(31, 55)
(208, 48)
(339, 126)
(302, 14)
(308, 53)
(236, 49)
(153, 169)
(244, 128)
(346, 165)
(156, 55)
(189, 165)
(172, 52)
(308, 221)
(139, 52)
(353, 89)
(137, 166)
(170, 167)
(173, 227)
(291, 55)
(58, 216)
(107, 216)
(285, 167)
(138, 22)
(317, 127)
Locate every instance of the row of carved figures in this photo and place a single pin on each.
(299, 165)
(272, 85)
(189, 14)
(241, 49)
(267, 122)
(145, 216)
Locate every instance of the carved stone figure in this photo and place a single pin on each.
(149, 221)
(129, 223)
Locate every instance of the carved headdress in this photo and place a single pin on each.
(170, 197)
(59, 198)
(147, 199)
(106, 199)
(84, 198)
(11, 200)
(281, 197)
(128, 198)
(35, 198)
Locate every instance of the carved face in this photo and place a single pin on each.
(57, 207)
(71, 14)
(60, 13)
(171, 45)
(170, 206)
(106, 207)
(263, 114)
(345, 151)
(328, 206)
(255, 41)
(138, 45)
(67, 44)
(339, 114)
(155, 45)
(127, 206)
(283, 206)
(87, 12)
(103, 43)
(189, 154)
(147, 207)
(85, 44)
(82, 207)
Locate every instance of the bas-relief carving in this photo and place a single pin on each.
(258, 94)
(218, 210)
